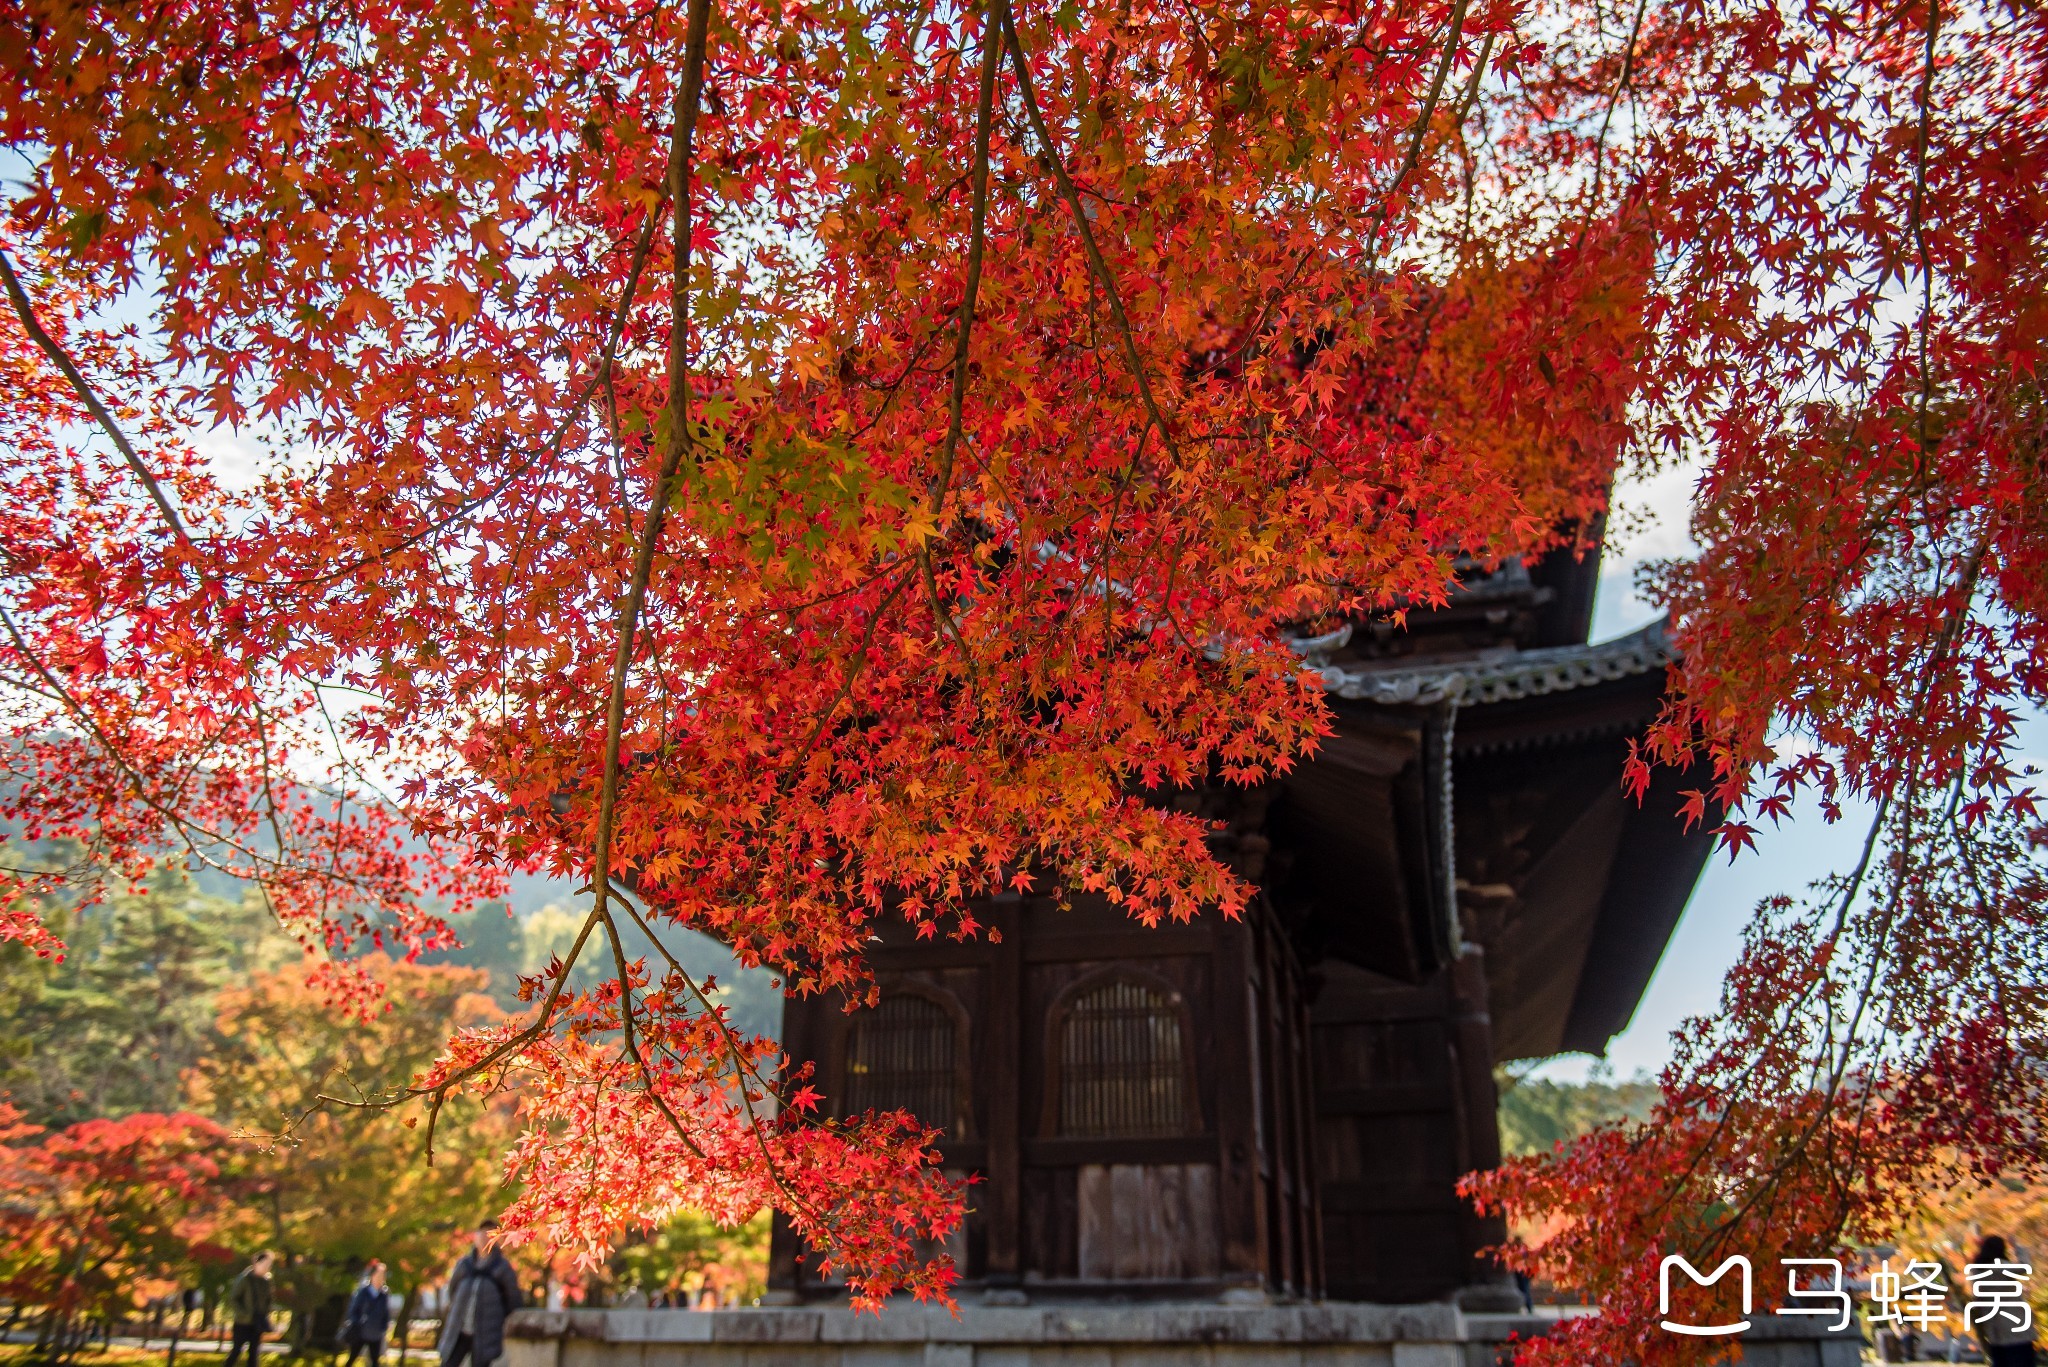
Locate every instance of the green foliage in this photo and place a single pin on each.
(1536, 1115)
(343, 1183)
(690, 1252)
(172, 997)
(493, 940)
(111, 1029)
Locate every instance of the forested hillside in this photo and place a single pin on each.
(1536, 1115)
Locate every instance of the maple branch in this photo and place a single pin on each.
(1926, 103)
(1628, 59)
(732, 1042)
(1422, 120)
(1945, 645)
(687, 100)
(1081, 225)
(1408, 164)
(26, 311)
(1471, 95)
(175, 819)
(743, 1067)
(945, 617)
(633, 1051)
(1436, 302)
(991, 55)
(854, 666)
(436, 1094)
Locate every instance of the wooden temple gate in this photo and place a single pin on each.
(1279, 1106)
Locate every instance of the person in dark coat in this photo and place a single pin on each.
(249, 1308)
(2006, 1334)
(369, 1317)
(482, 1291)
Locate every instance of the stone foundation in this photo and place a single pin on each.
(1326, 1334)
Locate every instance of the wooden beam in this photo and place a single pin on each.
(1002, 1035)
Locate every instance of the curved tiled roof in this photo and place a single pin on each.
(1519, 674)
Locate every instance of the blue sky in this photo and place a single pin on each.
(1650, 523)
(1786, 859)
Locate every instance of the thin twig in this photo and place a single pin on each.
(991, 55)
(1926, 102)
(1079, 214)
(686, 106)
(1422, 121)
(91, 400)
(1621, 85)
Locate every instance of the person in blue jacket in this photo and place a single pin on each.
(369, 1317)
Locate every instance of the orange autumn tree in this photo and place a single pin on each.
(792, 464)
(331, 1188)
(102, 1215)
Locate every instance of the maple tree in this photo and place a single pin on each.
(104, 1213)
(1953, 1216)
(790, 464)
(1847, 332)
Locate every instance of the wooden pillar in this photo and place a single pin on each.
(1309, 1198)
(782, 1264)
(1240, 1208)
(799, 1042)
(1472, 1044)
(1270, 1100)
(1292, 1081)
(1003, 1068)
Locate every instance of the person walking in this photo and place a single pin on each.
(1997, 1279)
(249, 1307)
(369, 1317)
(482, 1291)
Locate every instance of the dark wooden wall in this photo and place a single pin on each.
(1230, 1200)
(1405, 1105)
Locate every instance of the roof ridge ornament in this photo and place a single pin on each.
(1521, 674)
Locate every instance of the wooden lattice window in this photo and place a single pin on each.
(903, 1055)
(1123, 1065)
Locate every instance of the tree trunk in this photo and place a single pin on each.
(46, 1335)
(405, 1323)
(177, 1328)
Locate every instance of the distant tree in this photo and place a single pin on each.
(99, 1216)
(110, 1028)
(1954, 1215)
(350, 1184)
(494, 941)
(547, 933)
(692, 1251)
(1536, 1115)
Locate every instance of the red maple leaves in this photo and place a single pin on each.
(1028, 375)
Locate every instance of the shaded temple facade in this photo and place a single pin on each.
(1281, 1105)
